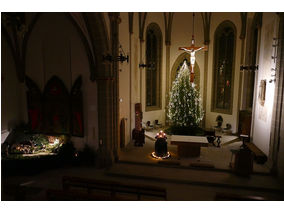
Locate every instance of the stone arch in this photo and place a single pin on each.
(74, 20)
(178, 63)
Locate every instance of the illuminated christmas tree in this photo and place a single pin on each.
(185, 108)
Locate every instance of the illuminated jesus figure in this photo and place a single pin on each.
(192, 50)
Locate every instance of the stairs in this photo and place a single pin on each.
(195, 177)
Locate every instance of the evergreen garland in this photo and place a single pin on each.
(185, 107)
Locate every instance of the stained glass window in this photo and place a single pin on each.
(224, 56)
(153, 70)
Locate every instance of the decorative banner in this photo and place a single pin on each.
(55, 112)
(56, 107)
(77, 108)
(34, 101)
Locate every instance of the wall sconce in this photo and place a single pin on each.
(273, 75)
(143, 65)
(251, 67)
(121, 57)
(146, 65)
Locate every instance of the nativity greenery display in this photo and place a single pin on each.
(185, 110)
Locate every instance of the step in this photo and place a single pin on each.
(196, 177)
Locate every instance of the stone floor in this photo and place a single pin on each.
(181, 184)
(136, 166)
(220, 158)
(214, 181)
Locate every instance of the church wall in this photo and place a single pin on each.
(124, 71)
(135, 70)
(107, 23)
(131, 47)
(262, 114)
(181, 37)
(216, 19)
(13, 103)
(55, 48)
(159, 115)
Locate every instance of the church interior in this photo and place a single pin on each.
(118, 106)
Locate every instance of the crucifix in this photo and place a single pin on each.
(192, 50)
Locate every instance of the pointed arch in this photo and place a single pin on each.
(178, 63)
(56, 107)
(76, 101)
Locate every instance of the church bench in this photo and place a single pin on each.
(63, 195)
(259, 156)
(221, 196)
(125, 191)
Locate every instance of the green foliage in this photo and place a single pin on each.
(40, 141)
(185, 109)
(184, 130)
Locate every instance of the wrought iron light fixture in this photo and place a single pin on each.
(121, 57)
(249, 67)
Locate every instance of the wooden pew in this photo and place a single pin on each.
(63, 195)
(114, 189)
(259, 156)
(235, 197)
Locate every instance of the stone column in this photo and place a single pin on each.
(114, 30)
(206, 18)
(168, 18)
(130, 24)
(168, 53)
(142, 20)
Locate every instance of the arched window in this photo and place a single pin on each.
(223, 73)
(153, 70)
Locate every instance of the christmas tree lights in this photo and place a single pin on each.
(185, 107)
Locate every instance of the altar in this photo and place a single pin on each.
(188, 146)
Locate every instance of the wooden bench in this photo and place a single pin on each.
(259, 156)
(114, 189)
(235, 197)
(63, 195)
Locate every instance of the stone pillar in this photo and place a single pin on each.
(168, 19)
(206, 18)
(130, 23)
(114, 31)
(241, 78)
(204, 102)
(168, 53)
(276, 149)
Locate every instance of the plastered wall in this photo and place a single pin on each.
(13, 103)
(216, 19)
(181, 36)
(55, 48)
(124, 76)
(262, 114)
